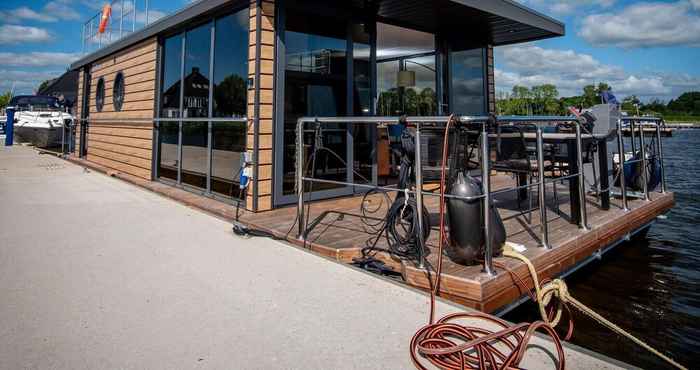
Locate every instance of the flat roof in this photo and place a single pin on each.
(501, 22)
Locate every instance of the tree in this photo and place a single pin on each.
(5, 99)
(43, 85)
(630, 104)
(590, 96)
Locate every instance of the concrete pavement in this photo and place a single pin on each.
(98, 274)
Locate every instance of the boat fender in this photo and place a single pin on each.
(465, 219)
(106, 13)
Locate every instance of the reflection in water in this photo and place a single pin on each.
(650, 287)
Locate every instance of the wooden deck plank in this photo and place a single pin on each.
(344, 239)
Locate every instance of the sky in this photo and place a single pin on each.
(646, 48)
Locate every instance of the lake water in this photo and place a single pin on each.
(650, 287)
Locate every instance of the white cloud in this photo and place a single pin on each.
(37, 59)
(645, 25)
(11, 34)
(570, 71)
(564, 7)
(53, 11)
(26, 13)
(62, 9)
(24, 82)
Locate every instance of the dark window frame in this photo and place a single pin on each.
(100, 94)
(118, 91)
(211, 22)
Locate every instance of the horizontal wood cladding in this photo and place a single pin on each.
(138, 65)
(122, 148)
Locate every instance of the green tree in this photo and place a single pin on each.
(5, 99)
(590, 96)
(43, 85)
(630, 104)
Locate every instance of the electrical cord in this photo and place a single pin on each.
(450, 344)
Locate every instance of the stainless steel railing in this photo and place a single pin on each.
(635, 123)
(301, 178)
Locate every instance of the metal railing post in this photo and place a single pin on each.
(419, 196)
(63, 138)
(486, 184)
(542, 198)
(121, 19)
(643, 152)
(621, 149)
(300, 178)
(660, 156)
(581, 178)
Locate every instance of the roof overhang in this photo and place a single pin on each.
(493, 22)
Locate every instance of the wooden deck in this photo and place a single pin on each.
(343, 237)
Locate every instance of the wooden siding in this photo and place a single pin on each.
(266, 83)
(125, 147)
(490, 79)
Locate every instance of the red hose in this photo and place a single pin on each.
(447, 344)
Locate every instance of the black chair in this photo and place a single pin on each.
(514, 156)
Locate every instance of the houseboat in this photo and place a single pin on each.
(292, 117)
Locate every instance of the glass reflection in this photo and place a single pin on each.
(231, 65)
(172, 60)
(228, 144)
(362, 134)
(194, 154)
(468, 95)
(229, 100)
(406, 73)
(196, 82)
(316, 85)
(167, 150)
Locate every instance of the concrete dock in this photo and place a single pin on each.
(96, 273)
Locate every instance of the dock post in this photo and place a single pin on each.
(621, 149)
(643, 152)
(486, 188)
(9, 125)
(541, 187)
(581, 177)
(419, 197)
(300, 179)
(660, 156)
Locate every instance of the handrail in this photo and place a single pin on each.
(485, 157)
(157, 119)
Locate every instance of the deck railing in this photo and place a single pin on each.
(487, 194)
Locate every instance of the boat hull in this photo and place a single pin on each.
(39, 136)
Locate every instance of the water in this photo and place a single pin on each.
(650, 287)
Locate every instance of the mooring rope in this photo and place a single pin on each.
(557, 288)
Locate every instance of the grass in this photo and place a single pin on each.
(686, 119)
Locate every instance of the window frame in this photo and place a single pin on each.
(210, 22)
(118, 98)
(100, 94)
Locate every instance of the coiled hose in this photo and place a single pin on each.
(449, 344)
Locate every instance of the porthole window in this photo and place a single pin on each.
(100, 95)
(118, 92)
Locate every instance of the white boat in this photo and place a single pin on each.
(39, 120)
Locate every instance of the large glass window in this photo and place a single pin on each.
(172, 62)
(186, 154)
(196, 105)
(406, 73)
(316, 85)
(231, 66)
(467, 82)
